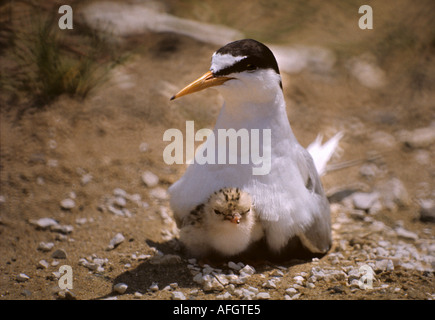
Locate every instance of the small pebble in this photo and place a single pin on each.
(270, 284)
(45, 246)
(120, 192)
(310, 285)
(296, 296)
(248, 270)
(150, 179)
(263, 296)
(65, 229)
(66, 295)
(59, 254)
(234, 266)
(225, 296)
(178, 295)
(116, 240)
(154, 287)
(22, 277)
(364, 201)
(159, 193)
(43, 264)
(44, 223)
(85, 179)
(291, 291)
(120, 202)
(427, 210)
(406, 234)
(67, 204)
(120, 288)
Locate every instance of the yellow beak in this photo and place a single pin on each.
(206, 81)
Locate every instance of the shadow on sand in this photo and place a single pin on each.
(175, 269)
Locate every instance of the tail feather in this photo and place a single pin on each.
(321, 154)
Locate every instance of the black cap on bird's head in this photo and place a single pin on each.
(254, 55)
(234, 58)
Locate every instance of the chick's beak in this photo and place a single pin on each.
(206, 81)
(236, 218)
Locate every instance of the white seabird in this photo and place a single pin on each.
(289, 200)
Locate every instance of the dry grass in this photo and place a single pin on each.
(42, 62)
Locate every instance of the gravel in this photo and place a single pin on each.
(150, 179)
(116, 240)
(384, 249)
(67, 204)
(44, 223)
(178, 295)
(364, 201)
(120, 288)
(22, 277)
(59, 254)
(45, 246)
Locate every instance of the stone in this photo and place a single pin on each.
(418, 138)
(406, 234)
(150, 179)
(364, 201)
(45, 246)
(120, 192)
(211, 284)
(178, 295)
(120, 288)
(154, 287)
(263, 296)
(116, 240)
(120, 202)
(67, 204)
(247, 294)
(393, 193)
(44, 223)
(43, 264)
(291, 291)
(159, 193)
(22, 277)
(66, 295)
(225, 296)
(369, 170)
(233, 266)
(427, 210)
(198, 278)
(269, 284)
(64, 229)
(85, 179)
(59, 254)
(247, 270)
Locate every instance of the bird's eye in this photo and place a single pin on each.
(251, 67)
(217, 211)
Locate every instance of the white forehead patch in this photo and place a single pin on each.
(222, 61)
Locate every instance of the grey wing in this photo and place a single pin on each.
(317, 236)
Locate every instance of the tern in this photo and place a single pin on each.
(290, 203)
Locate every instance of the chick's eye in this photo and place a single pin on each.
(251, 67)
(245, 212)
(217, 211)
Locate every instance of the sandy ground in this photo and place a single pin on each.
(84, 150)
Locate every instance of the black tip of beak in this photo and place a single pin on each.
(173, 97)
